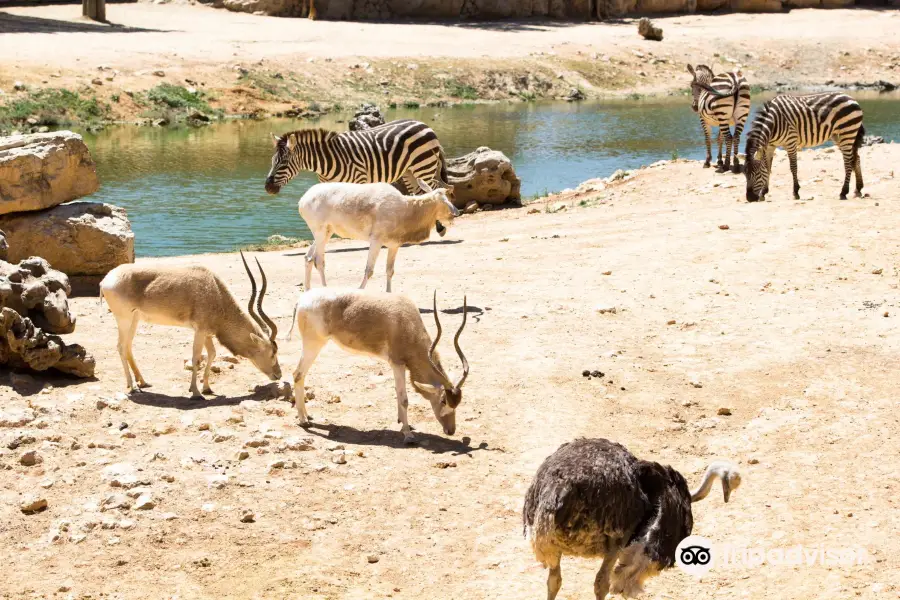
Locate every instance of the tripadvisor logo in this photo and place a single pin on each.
(695, 555)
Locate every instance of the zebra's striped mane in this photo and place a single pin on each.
(316, 133)
(757, 132)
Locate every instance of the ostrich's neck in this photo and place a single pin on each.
(702, 490)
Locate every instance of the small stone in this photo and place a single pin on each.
(97, 81)
(256, 443)
(372, 559)
(33, 503)
(31, 458)
(298, 444)
(598, 374)
(114, 501)
(586, 373)
(723, 227)
(159, 73)
(606, 273)
(445, 465)
(605, 309)
(235, 418)
(217, 481)
(248, 517)
(203, 562)
(339, 459)
(471, 207)
(278, 464)
(333, 399)
(753, 461)
(242, 455)
(19, 86)
(877, 271)
(203, 426)
(223, 435)
(163, 429)
(670, 322)
(144, 502)
(333, 447)
(167, 478)
(724, 411)
(887, 314)
(168, 516)
(696, 384)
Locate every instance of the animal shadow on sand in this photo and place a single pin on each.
(366, 247)
(389, 438)
(147, 397)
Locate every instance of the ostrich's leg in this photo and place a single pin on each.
(554, 577)
(601, 582)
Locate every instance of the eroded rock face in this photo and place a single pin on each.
(367, 117)
(79, 238)
(42, 170)
(22, 345)
(485, 176)
(34, 290)
(4, 246)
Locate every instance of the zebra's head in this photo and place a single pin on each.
(703, 76)
(281, 171)
(756, 169)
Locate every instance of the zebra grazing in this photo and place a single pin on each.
(795, 122)
(721, 101)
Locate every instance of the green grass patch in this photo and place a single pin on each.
(275, 242)
(178, 97)
(456, 89)
(52, 107)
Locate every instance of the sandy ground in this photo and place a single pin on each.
(789, 318)
(53, 46)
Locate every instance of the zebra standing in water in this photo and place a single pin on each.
(795, 122)
(399, 152)
(721, 101)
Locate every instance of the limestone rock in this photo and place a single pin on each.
(4, 246)
(649, 31)
(367, 117)
(485, 176)
(33, 503)
(22, 345)
(42, 170)
(79, 238)
(275, 8)
(34, 290)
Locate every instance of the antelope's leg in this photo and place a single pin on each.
(310, 261)
(135, 321)
(199, 341)
(210, 356)
(125, 329)
(402, 402)
(311, 349)
(374, 250)
(389, 270)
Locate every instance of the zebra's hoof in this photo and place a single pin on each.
(737, 170)
(706, 165)
(721, 169)
(843, 196)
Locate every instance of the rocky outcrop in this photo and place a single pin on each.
(34, 290)
(484, 176)
(42, 170)
(367, 117)
(79, 238)
(4, 246)
(24, 346)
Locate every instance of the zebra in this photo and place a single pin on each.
(721, 101)
(398, 152)
(795, 122)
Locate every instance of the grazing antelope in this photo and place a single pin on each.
(195, 298)
(385, 326)
(373, 212)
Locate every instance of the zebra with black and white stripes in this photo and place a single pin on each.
(721, 101)
(794, 122)
(400, 150)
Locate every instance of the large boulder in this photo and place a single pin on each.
(757, 5)
(79, 238)
(34, 290)
(24, 346)
(485, 176)
(42, 170)
(367, 117)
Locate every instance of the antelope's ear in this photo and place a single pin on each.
(424, 185)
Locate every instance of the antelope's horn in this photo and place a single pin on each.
(252, 292)
(273, 329)
(459, 351)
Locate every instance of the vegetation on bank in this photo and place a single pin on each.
(34, 110)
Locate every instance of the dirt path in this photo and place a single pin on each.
(287, 62)
(780, 318)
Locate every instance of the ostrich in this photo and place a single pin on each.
(593, 498)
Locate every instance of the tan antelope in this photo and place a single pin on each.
(385, 326)
(195, 298)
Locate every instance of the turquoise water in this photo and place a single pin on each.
(189, 191)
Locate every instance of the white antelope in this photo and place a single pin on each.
(374, 212)
(195, 298)
(385, 326)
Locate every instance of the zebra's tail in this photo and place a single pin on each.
(442, 172)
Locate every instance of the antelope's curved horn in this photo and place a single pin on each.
(273, 329)
(252, 292)
(459, 351)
